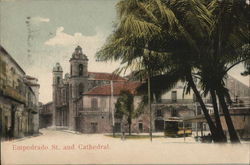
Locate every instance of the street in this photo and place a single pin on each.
(59, 147)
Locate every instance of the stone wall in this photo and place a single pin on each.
(95, 122)
(241, 121)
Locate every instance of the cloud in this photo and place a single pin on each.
(63, 39)
(37, 20)
(64, 44)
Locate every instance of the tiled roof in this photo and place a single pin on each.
(105, 76)
(105, 90)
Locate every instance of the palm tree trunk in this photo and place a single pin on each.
(213, 129)
(129, 123)
(232, 132)
(217, 116)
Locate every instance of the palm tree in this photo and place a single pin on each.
(158, 26)
(229, 33)
(159, 33)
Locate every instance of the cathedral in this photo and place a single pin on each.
(83, 100)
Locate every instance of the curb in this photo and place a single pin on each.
(24, 138)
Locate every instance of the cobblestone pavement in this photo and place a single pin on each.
(60, 147)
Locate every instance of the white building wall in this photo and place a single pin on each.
(104, 102)
(179, 88)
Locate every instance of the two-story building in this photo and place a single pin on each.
(16, 99)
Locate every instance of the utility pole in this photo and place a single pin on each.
(150, 109)
(112, 108)
(196, 113)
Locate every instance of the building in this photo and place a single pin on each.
(176, 105)
(32, 82)
(18, 99)
(95, 109)
(173, 105)
(81, 98)
(45, 115)
(239, 110)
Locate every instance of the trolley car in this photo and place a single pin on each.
(177, 128)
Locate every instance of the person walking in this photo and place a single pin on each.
(9, 134)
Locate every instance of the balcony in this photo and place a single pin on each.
(93, 112)
(32, 108)
(90, 109)
(46, 112)
(13, 94)
(177, 101)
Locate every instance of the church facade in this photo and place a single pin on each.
(84, 101)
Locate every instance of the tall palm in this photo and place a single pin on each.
(190, 51)
(140, 29)
(229, 33)
(157, 28)
(130, 49)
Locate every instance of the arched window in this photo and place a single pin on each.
(58, 80)
(94, 103)
(81, 88)
(80, 70)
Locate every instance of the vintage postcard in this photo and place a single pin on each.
(124, 82)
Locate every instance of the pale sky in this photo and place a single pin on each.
(56, 28)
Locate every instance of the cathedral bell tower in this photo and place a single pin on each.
(57, 82)
(78, 82)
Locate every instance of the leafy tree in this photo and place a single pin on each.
(125, 107)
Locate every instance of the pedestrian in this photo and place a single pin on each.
(123, 135)
(9, 134)
(209, 138)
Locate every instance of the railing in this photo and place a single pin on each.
(178, 101)
(90, 109)
(12, 93)
(32, 108)
(45, 112)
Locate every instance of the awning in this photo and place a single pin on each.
(197, 119)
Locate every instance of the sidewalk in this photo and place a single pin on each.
(16, 139)
(73, 132)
